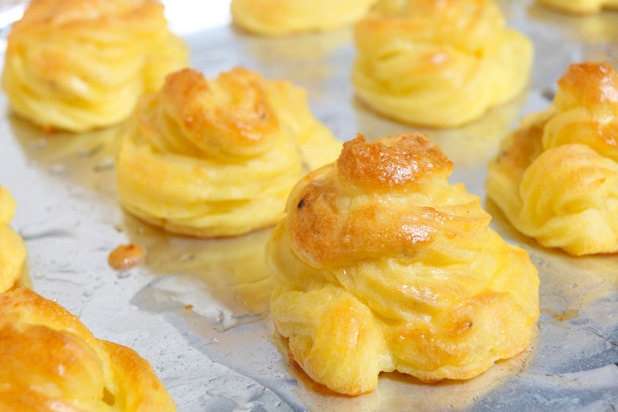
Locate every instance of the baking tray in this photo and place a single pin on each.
(198, 309)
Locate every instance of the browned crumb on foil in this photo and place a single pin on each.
(126, 256)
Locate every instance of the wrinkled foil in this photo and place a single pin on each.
(197, 310)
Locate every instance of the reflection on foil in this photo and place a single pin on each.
(482, 137)
(37, 232)
(231, 271)
(216, 292)
(85, 159)
(595, 28)
(311, 58)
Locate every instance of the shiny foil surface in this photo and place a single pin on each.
(197, 310)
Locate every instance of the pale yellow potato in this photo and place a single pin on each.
(12, 249)
(556, 177)
(82, 64)
(381, 265)
(284, 17)
(580, 6)
(51, 362)
(218, 157)
(438, 63)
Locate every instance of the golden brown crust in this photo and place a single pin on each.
(321, 231)
(396, 161)
(593, 86)
(50, 358)
(230, 115)
(386, 266)
(556, 177)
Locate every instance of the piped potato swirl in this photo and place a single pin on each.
(218, 157)
(438, 63)
(79, 65)
(51, 361)
(381, 265)
(556, 177)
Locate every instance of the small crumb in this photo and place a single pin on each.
(567, 315)
(126, 256)
(118, 228)
(189, 307)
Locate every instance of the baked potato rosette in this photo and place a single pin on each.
(218, 157)
(556, 177)
(438, 63)
(381, 265)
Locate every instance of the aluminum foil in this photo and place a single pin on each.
(198, 309)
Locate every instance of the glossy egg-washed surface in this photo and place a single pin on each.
(198, 310)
